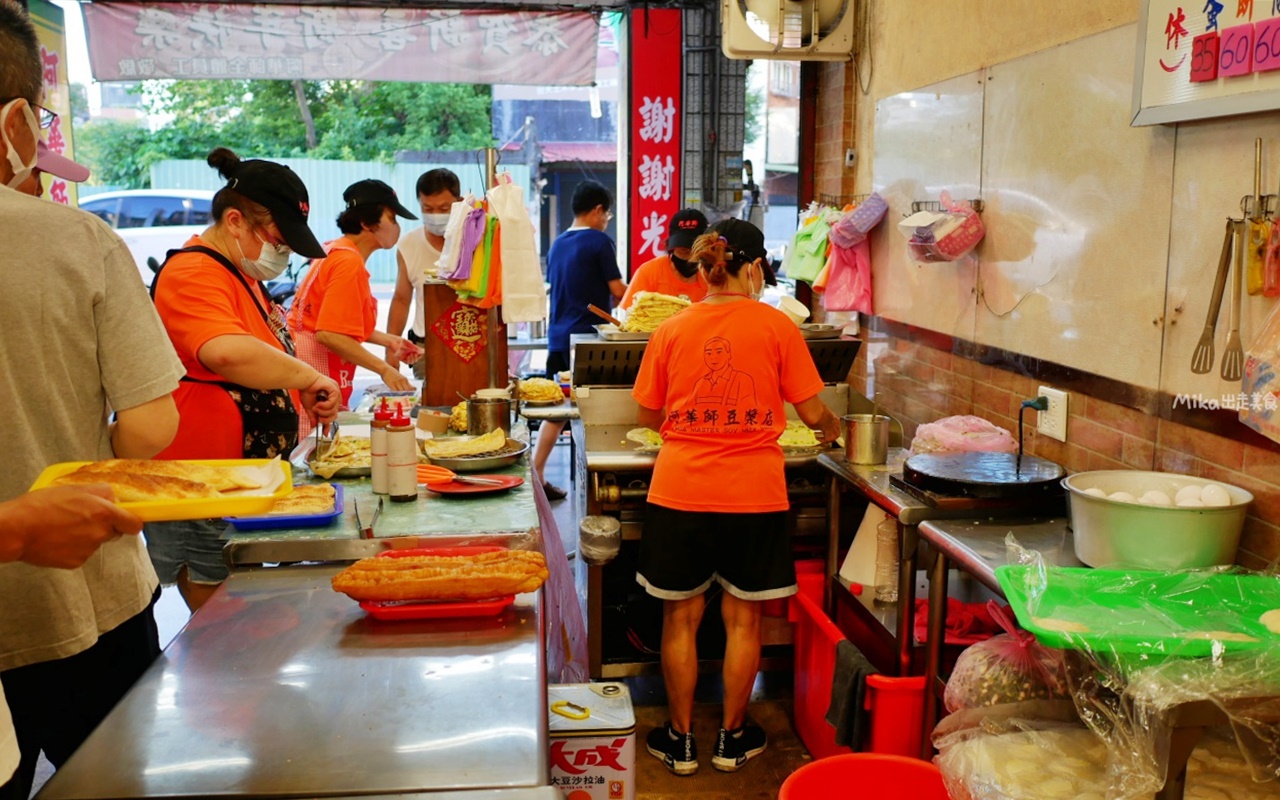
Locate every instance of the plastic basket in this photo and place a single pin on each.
(865, 775)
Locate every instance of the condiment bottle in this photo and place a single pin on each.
(378, 448)
(402, 459)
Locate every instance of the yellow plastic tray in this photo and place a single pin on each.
(198, 508)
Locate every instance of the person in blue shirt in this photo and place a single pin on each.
(582, 267)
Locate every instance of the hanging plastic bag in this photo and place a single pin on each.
(1011, 667)
(524, 297)
(820, 282)
(854, 225)
(447, 263)
(1261, 384)
(849, 285)
(947, 237)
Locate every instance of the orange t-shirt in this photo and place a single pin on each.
(660, 275)
(722, 373)
(335, 296)
(197, 300)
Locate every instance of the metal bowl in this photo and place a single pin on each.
(509, 455)
(1114, 533)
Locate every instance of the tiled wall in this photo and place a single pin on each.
(834, 128)
(917, 384)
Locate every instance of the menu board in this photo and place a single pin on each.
(1210, 58)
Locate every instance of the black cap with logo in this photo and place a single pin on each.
(748, 241)
(279, 189)
(686, 226)
(372, 192)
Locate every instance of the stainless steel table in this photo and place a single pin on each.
(281, 687)
(872, 482)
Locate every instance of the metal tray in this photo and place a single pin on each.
(511, 454)
(610, 333)
(815, 330)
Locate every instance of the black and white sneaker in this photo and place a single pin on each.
(678, 751)
(734, 748)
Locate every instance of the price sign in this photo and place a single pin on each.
(1266, 45)
(1236, 57)
(1204, 57)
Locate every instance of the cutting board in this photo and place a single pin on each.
(986, 475)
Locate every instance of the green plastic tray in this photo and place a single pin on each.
(1143, 612)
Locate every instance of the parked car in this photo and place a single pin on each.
(152, 221)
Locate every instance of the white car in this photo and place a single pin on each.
(152, 221)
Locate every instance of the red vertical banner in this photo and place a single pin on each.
(656, 84)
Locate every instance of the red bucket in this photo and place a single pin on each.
(863, 776)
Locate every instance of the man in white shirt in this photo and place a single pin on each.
(416, 257)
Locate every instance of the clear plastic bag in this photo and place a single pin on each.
(962, 434)
(1010, 667)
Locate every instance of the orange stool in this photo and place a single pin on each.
(863, 776)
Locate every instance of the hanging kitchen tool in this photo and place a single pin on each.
(1258, 229)
(1202, 358)
(1271, 265)
(1233, 356)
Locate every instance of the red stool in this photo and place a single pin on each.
(865, 776)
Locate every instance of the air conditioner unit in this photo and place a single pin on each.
(788, 30)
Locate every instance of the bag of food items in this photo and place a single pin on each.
(949, 236)
(1011, 667)
(962, 434)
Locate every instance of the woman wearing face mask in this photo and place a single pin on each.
(244, 388)
(416, 257)
(335, 312)
(673, 273)
(715, 380)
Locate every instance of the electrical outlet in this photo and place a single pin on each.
(1053, 421)
(850, 158)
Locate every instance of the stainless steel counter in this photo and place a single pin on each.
(281, 687)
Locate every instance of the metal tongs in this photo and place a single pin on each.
(326, 437)
(367, 532)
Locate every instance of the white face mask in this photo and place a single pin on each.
(21, 170)
(272, 261)
(435, 223)
(756, 294)
(387, 234)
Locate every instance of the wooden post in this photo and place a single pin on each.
(497, 368)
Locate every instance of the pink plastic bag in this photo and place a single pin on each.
(849, 282)
(1009, 668)
(962, 434)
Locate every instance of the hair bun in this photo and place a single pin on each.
(225, 161)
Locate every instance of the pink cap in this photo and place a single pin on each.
(54, 164)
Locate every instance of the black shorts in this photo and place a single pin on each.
(556, 363)
(682, 552)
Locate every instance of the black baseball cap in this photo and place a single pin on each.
(279, 189)
(748, 241)
(372, 192)
(686, 226)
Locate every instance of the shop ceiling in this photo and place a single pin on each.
(509, 5)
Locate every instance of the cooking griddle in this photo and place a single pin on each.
(992, 481)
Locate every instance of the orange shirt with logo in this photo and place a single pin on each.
(335, 296)
(660, 275)
(723, 372)
(197, 300)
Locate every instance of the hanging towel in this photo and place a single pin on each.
(524, 295)
(847, 712)
(448, 261)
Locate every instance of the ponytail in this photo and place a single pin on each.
(716, 260)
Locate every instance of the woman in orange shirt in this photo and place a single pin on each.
(715, 380)
(673, 273)
(236, 400)
(335, 312)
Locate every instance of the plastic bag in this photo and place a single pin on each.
(855, 224)
(848, 286)
(1011, 667)
(962, 434)
(1262, 381)
(950, 236)
(524, 296)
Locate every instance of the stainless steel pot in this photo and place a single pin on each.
(488, 414)
(866, 438)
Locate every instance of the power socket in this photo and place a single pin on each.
(1053, 421)
(850, 158)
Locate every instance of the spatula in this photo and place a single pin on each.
(1233, 356)
(602, 314)
(1202, 358)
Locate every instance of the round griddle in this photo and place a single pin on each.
(985, 475)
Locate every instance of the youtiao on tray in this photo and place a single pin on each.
(467, 577)
(137, 480)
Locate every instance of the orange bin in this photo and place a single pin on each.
(896, 704)
(865, 775)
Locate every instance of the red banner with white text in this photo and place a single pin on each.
(136, 41)
(657, 46)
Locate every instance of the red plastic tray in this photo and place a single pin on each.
(461, 488)
(437, 609)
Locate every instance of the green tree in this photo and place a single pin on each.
(755, 114)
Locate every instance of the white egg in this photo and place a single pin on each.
(1156, 497)
(1094, 491)
(1122, 497)
(1214, 495)
(1190, 502)
(1192, 491)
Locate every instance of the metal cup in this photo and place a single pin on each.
(866, 438)
(487, 414)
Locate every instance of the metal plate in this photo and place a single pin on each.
(510, 455)
(816, 330)
(610, 333)
(995, 475)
